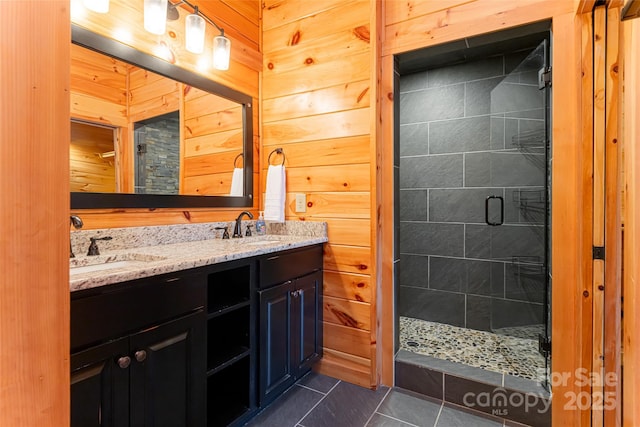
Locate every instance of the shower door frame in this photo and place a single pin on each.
(571, 208)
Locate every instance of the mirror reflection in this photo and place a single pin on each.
(201, 156)
(140, 132)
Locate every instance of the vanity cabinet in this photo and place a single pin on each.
(138, 353)
(290, 301)
(231, 349)
(207, 346)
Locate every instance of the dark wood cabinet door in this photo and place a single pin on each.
(307, 324)
(275, 342)
(168, 374)
(100, 386)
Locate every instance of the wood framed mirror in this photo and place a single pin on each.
(208, 164)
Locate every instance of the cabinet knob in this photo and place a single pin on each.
(141, 355)
(124, 362)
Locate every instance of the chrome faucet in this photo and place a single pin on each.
(237, 230)
(77, 224)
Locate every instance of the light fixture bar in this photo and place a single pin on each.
(195, 10)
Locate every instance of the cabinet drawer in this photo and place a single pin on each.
(283, 266)
(101, 314)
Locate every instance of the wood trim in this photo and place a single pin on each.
(599, 118)
(377, 338)
(34, 213)
(631, 291)
(386, 220)
(613, 228)
(571, 260)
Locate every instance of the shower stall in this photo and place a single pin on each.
(157, 160)
(473, 215)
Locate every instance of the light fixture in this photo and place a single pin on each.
(194, 32)
(221, 52)
(100, 6)
(155, 16)
(156, 12)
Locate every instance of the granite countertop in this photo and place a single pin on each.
(120, 264)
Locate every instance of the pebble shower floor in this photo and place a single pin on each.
(513, 355)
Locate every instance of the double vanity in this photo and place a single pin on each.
(174, 326)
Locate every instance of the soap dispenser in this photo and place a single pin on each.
(261, 227)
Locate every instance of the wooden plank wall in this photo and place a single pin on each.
(631, 280)
(34, 213)
(90, 170)
(316, 105)
(241, 21)
(213, 136)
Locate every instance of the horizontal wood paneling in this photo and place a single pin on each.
(244, 27)
(346, 96)
(316, 104)
(217, 143)
(93, 109)
(348, 231)
(356, 287)
(313, 128)
(279, 12)
(354, 314)
(328, 48)
(349, 259)
(328, 178)
(347, 339)
(354, 68)
(335, 151)
(353, 369)
(246, 60)
(98, 75)
(322, 205)
(398, 11)
(467, 19)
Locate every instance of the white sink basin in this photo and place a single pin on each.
(105, 266)
(89, 264)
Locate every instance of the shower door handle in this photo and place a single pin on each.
(486, 210)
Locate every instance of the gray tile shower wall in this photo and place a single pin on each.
(460, 136)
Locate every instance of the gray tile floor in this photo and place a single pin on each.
(321, 401)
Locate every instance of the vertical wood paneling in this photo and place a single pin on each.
(631, 292)
(613, 225)
(570, 223)
(34, 213)
(599, 103)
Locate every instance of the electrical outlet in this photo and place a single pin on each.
(301, 202)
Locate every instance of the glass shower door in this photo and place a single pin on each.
(517, 207)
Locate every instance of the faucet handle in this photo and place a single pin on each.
(93, 247)
(225, 234)
(248, 233)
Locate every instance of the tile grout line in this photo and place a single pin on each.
(439, 412)
(317, 403)
(395, 419)
(312, 389)
(377, 407)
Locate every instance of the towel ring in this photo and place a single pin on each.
(236, 159)
(277, 151)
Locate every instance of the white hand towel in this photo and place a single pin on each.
(237, 182)
(275, 194)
